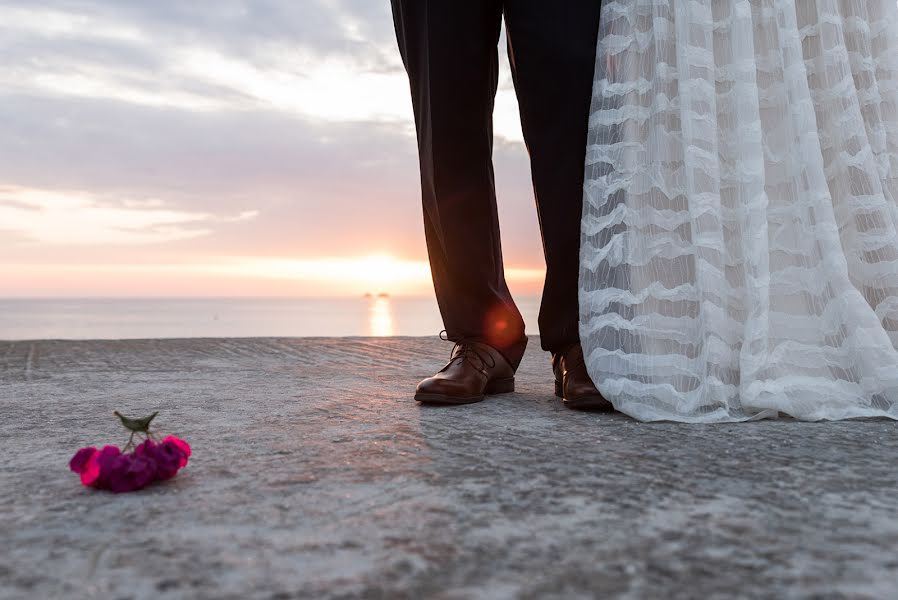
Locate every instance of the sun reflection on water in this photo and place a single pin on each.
(380, 317)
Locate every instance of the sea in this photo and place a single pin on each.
(141, 318)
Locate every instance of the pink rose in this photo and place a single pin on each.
(79, 462)
(183, 446)
(145, 448)
(98, 467)
(110, 469)
(167, 458)
(130, 472)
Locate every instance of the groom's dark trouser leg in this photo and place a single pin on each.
(552, 47)
(449, 50)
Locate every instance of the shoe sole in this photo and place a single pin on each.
(497, 386)
(592, 402)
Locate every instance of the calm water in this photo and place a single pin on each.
(29, 319)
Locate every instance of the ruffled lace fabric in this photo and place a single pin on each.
(739, 255)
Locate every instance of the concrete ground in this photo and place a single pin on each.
(315, 475)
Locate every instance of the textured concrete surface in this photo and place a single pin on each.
(316, 476)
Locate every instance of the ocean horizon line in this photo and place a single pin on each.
(192, 317)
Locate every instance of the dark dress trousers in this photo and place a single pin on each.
(449, 48)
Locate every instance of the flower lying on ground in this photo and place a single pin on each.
(122, 471)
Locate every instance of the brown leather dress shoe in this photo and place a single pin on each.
(474, 370)
(572, 382)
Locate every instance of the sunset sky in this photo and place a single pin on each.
(264, 147)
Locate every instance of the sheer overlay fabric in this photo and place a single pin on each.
(739, 250)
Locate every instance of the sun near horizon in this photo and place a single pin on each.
(376, 273)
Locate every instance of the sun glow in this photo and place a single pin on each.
(380, 271)
(380, 317)
(241, 276)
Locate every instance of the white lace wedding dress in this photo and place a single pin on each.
(739, 253)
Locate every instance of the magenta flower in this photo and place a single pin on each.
(168, 457)
(78, 464)
(129, 473)
(96, 472)
(166, 460)
(117, 471)
(181, 445)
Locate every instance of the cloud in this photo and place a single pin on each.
(75, 218)
(284, 71)
(180, 59)
(318, 187)
(49, 23)
(179, 132)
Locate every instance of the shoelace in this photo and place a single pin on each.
(467, 350)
